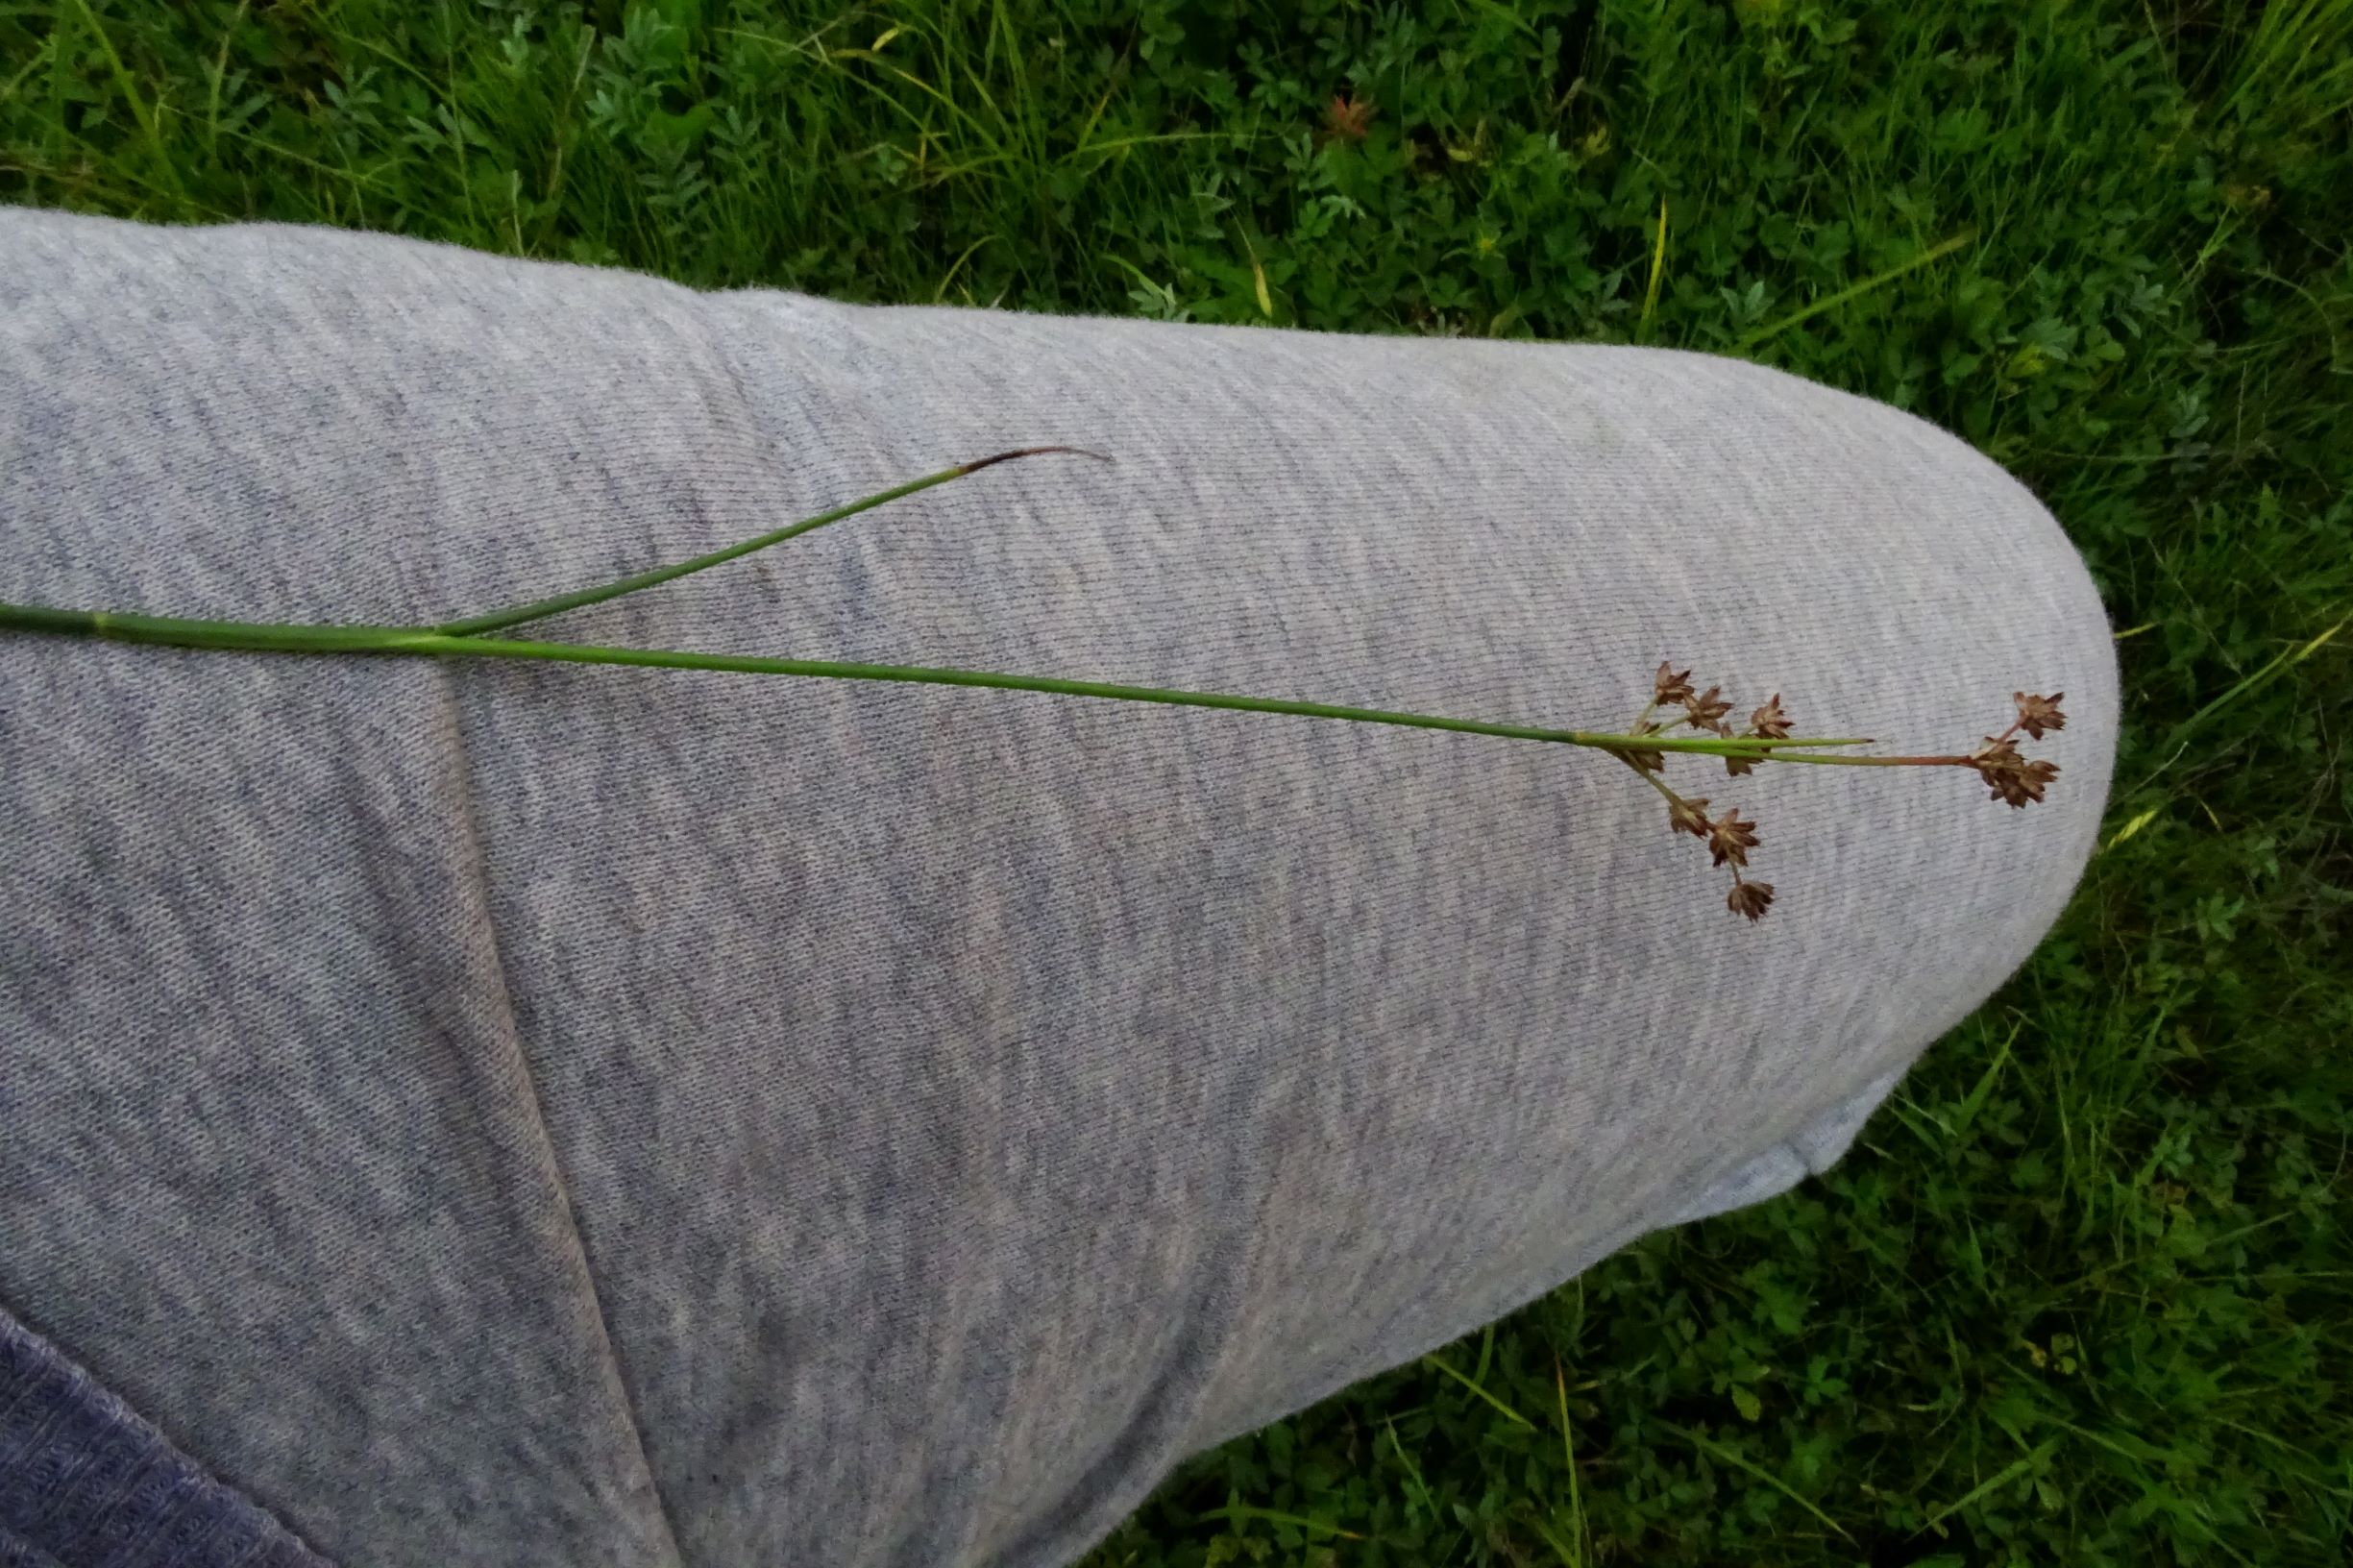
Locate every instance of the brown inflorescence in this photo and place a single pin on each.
(1687, 816)
(1706, 711)
(1731, 839)
(1670, 689)
(2037, 714)
(1750, 898)
(2014, 778)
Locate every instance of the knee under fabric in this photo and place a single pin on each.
(490, 1113)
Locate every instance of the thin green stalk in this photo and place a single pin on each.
(1582, 1550)
(1736, 745)
(1734, 1459)
(466, 637)
(262, 637)
(1834, 301)
(149, 120)
(427, 641)
(233, 636)
(1878, 762)
(1504, 1410)
(2284, 661)
(752, 664)
(541, 608)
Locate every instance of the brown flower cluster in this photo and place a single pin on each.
(1767, 723)
(2014, 778)
(1729, 839)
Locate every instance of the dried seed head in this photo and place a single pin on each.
(2026, 782)
(1731, 839)
(1648, 762)
(1669, 688)
(2006, 786)
(2037, 714)
(2013, 780)
(1767, 723)
(1688, 817)
(1750, 898)
(1998, 754)
(1706, 711)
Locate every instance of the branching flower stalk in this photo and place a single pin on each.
(1643, 747)
(2013, 778)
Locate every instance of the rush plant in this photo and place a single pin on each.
(1642, 745)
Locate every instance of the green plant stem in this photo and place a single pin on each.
(467, 638)
(265, 637)
(1876, 281)
(1880, 762)
(2176, 743)
(539, 609)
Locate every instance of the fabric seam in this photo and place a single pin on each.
(478, 889)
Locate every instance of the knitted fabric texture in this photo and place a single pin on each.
(496, 1112)
(83, 1480)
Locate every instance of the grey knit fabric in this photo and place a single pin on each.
(509, 1114)
(86, 1482)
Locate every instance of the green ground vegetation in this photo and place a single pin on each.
(2082, 1295)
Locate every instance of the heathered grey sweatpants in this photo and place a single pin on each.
(508, 1113)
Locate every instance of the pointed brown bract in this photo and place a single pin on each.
(1688, 817)
(1706, 711)
(1669, 688)
(1731, 839)
(1735, 766)
(1750, 898)
(2038, 714)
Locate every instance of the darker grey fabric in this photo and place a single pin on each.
(85, 1483)
(518, 1113)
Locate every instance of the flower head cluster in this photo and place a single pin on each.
(1728, 837)
(2014, 778)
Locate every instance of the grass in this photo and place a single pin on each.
(2082, 1295)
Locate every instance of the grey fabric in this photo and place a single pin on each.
(505, 1114)
(85, 1481)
